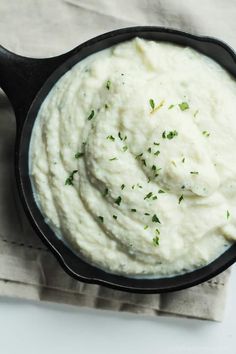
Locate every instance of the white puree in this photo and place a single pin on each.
(93, 211)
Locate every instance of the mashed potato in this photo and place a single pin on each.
(133, 159)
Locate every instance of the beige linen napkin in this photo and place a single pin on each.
(43, 28)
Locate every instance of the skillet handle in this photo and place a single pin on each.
(22, 77)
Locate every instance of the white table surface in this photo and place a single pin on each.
(49, 328)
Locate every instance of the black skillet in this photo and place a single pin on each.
(27, 82)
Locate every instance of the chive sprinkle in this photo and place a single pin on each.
(228, 214)
(172, 134)
(206, 133)
(69, 180)
(79, 154)
(164, 134)
(152, 103)
(146, 214)
(108, 84)
(154, 197)
(155, 219)
(157, 144)
(106, 106)
(105, 192)
(114, 217)
(118, 200)
(155, 241)
(161, 191)
(137, 156)
(111, 137)
(133, 210)
(157, 153)
(194, 173)
(91, 115)
(145, 227)
(101, 218)
(183, 159)
(113, 159)
(125, 148)
(149, 150)
(122, 186)
(171, 106)
(181, 198)
(183, 106)
(148, 195)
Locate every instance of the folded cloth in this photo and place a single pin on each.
(44, 28)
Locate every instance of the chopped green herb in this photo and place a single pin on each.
(114, 217)
(228, 214)
(106, 106)
(79, 154)
(152, 103)
(195, 113)
(181, 198)
(148, 195)
(69, 180)
(157, 231)
(171, 106)
(91, 115)
(164, 134)
(137, 156)
(125, 148)
(206, 133)
(113, 159)
(118, 200)
(105, 192)
(149, 150)
(157, 153)
(183, 106)
(183, 159)
(173, 163)
(122, 186)
(144, 162)
(139, 185)
(133, 210)
(133, 186)
(154, 167)
(108, 84)
(148, 180)
(101, 218)
(161, 191)
(194, 173)
(155, 219)
(182, 187)
(155, 241)
(145, 227)
(110, 137)
(172, 134)
(154, 198)
(157, 144)
(146, 214)
(119, 135)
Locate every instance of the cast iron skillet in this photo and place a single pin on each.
(27, 82)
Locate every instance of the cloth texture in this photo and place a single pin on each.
(42, 28)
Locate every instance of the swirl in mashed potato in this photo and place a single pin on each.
(133, 158)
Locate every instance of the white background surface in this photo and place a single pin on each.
(47, 329)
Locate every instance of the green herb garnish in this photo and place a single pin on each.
(111, 137)
(146, 214)
(183, 106)
(172, 134)
(183, 159)
(181, 198)
(101, 218)
(108, 84)
(125, 148)
(79, 154)
(133, 210)
(105, 192)
(152, 103)
(148, 195)
(145, 227)
(144, 162)
(149, 150)
(164, 134)
(155, 241)
(137, 156)
(118, 200)
(157, 144)
(106, 106)
(122, 186)
(114, 217)
(69, 180)
(171, 106)
(206, 133)
(154, 167)
(161, 191)
(157, 153)
(194, 173)
(154, 197)
(91, 115)
(228, 214)
(155, 219)
(113, 159)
